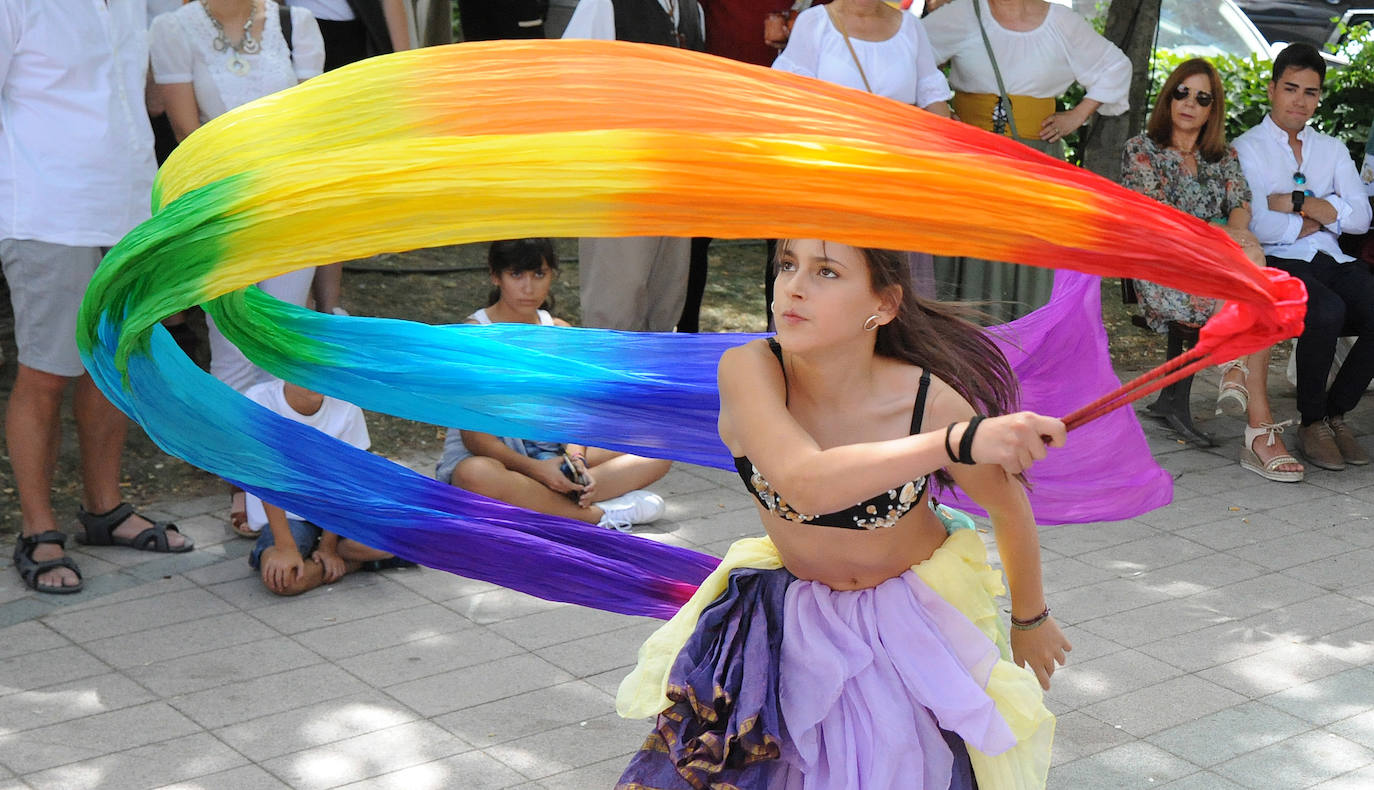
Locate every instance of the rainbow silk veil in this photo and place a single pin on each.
(484, 141)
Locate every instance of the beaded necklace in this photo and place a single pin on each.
(247, 45)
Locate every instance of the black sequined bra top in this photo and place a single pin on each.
(881, 511)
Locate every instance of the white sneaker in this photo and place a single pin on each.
(626, 510)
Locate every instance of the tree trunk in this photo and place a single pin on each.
(1131, 25)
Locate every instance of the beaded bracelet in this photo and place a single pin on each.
(1031, 624)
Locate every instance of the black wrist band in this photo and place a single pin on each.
(954, 459)
(1298, 198)
(966, 441)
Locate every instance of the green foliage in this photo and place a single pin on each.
(1347, 108)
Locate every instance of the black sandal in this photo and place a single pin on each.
(30, 569)
(390, 563)
(100, 529)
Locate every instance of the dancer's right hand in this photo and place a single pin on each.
(1013, 441)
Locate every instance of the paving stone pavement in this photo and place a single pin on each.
(1225, 641)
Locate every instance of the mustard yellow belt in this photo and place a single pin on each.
(1029, 112)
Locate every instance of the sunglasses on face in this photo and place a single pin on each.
(1203, 98)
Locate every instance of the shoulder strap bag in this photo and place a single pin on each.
(1003, 101)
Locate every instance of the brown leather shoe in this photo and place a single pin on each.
(1319, 445)
(1350, 449)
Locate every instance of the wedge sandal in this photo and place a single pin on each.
(1233, 399)
(30, 569)
(1269, 470)
(100, 529)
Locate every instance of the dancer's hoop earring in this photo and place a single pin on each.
(872, 323)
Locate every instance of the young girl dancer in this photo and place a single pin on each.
(858, 645)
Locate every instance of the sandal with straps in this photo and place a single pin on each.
(100, 529)
(1249, 459)
(1233, 399)
(30, 569)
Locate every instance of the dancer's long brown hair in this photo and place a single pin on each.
(940, 338)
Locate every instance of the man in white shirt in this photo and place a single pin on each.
(639, 282)
(1307, 193)
(76, 174)
(1367, 172)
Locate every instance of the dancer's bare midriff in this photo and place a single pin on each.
(852, 559)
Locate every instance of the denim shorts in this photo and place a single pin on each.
(306, 535)
(455, 452)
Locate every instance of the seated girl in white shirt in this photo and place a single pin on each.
(584, 483)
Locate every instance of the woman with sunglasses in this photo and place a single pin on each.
(1183, 160)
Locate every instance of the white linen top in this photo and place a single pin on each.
(339, 419)
(481, 317)
(157, 8)
(182, 45)
(76, 161)
(901, 67)
(1269, 165)
(1042, 62)
(595, 19)
(328, 10)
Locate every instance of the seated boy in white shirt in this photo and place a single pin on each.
(293, 554)
(1307, 193)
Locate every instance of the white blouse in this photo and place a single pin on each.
(182, 48)
(901, 67)
(1042, 62)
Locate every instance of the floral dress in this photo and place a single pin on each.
(1218, 188)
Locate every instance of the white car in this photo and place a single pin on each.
(1206, 29)
(1202, 28)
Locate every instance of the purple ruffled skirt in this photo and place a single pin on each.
(790, 685)
(723, 729)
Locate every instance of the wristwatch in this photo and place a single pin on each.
(1298, 197)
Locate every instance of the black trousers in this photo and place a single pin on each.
(344, 42)
(486, 20)
(696, 285)
(1340, 302)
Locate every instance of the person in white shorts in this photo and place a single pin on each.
(76, 174)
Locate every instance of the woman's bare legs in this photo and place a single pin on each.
(327, 288)
(620, 473)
